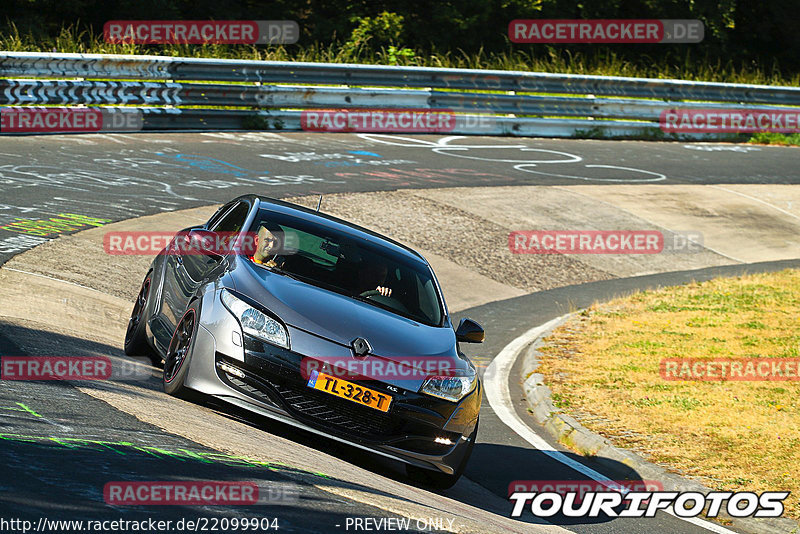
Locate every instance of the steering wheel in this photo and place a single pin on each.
(370, 293)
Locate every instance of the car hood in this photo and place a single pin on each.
(341, 319)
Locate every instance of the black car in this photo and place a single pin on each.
(316, 322)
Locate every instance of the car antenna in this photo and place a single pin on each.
(319, 203)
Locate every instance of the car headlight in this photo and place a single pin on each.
(452, 388)
(255, 322)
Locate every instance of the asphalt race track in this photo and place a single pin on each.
(119, 176)
(62, 443)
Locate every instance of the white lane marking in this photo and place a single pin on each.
(658, 176)
(754, 199)
(37, 417)
(734, 148)
(65, 428)
(450, 151)
(444, 147)
(495, 382)
(395, 140)
(12, 416)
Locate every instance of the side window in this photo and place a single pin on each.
(218, 215)
(232, 221)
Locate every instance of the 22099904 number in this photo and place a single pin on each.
(213, 524)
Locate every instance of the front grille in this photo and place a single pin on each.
(351, 417)
(320, 407)
(255, 392)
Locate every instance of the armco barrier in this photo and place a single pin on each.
(484, 101)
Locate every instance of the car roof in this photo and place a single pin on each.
(335, 223)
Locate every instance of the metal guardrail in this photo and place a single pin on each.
(632, 106)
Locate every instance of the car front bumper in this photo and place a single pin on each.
(418, 429)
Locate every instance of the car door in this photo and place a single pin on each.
(187, 270)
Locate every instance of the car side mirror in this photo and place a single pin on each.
(204, 242)
(469, 331)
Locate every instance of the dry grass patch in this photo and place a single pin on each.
(603, 368)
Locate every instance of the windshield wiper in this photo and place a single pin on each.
(367, 300)
(293, 276)
(380, 305)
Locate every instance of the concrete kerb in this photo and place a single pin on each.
(538, 396)
(568, 431)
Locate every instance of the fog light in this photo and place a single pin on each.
(443, 441)
(231, 370)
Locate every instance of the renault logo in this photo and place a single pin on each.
(361, 347)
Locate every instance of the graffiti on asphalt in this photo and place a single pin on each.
(522, 158)
(349, 158)
(65, 222)
(126, 448)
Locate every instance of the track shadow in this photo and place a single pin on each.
(98, 431)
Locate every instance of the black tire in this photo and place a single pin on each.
(176, 361)
(136, 335)
(436, 479)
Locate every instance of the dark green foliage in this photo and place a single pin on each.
(740, 34)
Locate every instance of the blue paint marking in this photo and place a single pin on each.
(312, 380)
(212, 165)
(365, 153)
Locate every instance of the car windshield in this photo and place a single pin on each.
(348, 265)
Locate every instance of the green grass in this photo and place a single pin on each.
(546, 59)
(771, 138)
(738, 435)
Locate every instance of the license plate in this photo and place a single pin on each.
(350, 391)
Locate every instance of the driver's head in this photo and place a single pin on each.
(266, 243)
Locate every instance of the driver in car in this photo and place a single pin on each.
(266, 244)
(371, 276)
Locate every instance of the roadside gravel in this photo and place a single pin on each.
(462, 237)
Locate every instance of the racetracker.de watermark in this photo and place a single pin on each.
(630, 31)
(67, 120)
(201, 31)
(150, 243)
(199, 493)
(717, 120)
(347, 367)
(378, 120)
(581, 487)
(733, 369)
(78, 368)
(603, 242)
